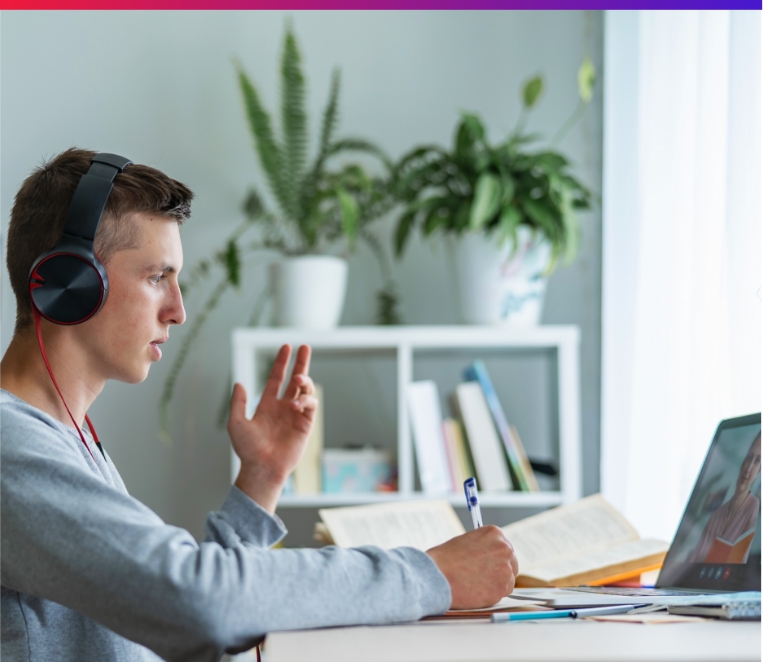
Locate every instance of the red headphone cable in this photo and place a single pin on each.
(38, 327)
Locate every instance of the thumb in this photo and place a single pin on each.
(237, 404)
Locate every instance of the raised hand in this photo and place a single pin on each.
(270, 444)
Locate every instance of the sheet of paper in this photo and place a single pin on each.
(503, 604)
(601, 558)
(419, 524)
(652, 618)
(581, 527)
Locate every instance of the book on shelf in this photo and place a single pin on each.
(731, 551)
(451, 454)
(532, 480)
(470, 405)
(521, 471)
(308, 472)
(426, 426)
(458, 452)
(587, 542)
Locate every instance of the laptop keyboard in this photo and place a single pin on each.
(613, 590)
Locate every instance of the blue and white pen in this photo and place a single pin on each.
(473, 501)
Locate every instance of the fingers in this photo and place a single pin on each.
(300, 382)
(277, 373)
(306, 404)
(514, 563)
(237, 405)
(302, 362)
(299, 385)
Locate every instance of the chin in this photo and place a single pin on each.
(134, 376)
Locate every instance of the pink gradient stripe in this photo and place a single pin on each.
(375, 4)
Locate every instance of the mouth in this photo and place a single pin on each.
(155, 346)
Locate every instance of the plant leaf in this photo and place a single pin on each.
(475, 126)
(586, 80)
(531, 91)
(231, 259)
(470, 134)
(508, 188)
(487, 198)
(359, 145)
(403, 231)
(293, 122)
(551, 161)
(546, 221)
(508, 224)
(571, 228)
(252, 205)
(349, 209)
(331, 113)
(434, 219)
(268, 150)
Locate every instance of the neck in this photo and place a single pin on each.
(23, 373)
(738, 498)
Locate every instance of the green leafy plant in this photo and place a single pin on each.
(319, 207)
(479, 187)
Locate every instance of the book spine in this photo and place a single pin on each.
(462, 450)
(477, 372)
(742, 610)
(450, 454)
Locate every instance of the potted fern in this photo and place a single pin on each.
(509, 210)
(322, 211)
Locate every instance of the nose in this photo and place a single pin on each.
(175, 312)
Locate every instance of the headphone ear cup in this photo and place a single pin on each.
(68, 287)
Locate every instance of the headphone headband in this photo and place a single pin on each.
(91, 195)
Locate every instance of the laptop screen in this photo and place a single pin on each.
(717, 546)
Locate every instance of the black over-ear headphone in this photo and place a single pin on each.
(68, 284)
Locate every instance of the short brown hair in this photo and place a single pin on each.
(41, 204)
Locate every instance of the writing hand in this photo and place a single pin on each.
(480, 567)
(270, 444)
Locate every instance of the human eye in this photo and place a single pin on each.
(157, 278)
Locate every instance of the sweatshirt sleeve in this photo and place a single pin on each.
(242, 519)
(69, 537)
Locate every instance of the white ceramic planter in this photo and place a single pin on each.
(496, 287)
(308, 291)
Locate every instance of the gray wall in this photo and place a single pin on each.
(159, 88)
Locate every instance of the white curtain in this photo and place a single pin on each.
(681, 343)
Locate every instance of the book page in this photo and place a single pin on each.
(602, 558)
(567, 531)
(419, 524)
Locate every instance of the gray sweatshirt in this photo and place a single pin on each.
(90, 573)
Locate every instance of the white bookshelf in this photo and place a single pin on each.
(403, 341)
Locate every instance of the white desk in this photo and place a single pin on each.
(562, 640)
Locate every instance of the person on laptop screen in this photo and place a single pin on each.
(730, 529)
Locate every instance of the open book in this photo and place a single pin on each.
(419, 524)
(731, 551)
(587, 542)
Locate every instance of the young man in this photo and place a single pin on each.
(88, 572)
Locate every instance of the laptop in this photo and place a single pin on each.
(717, 546)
